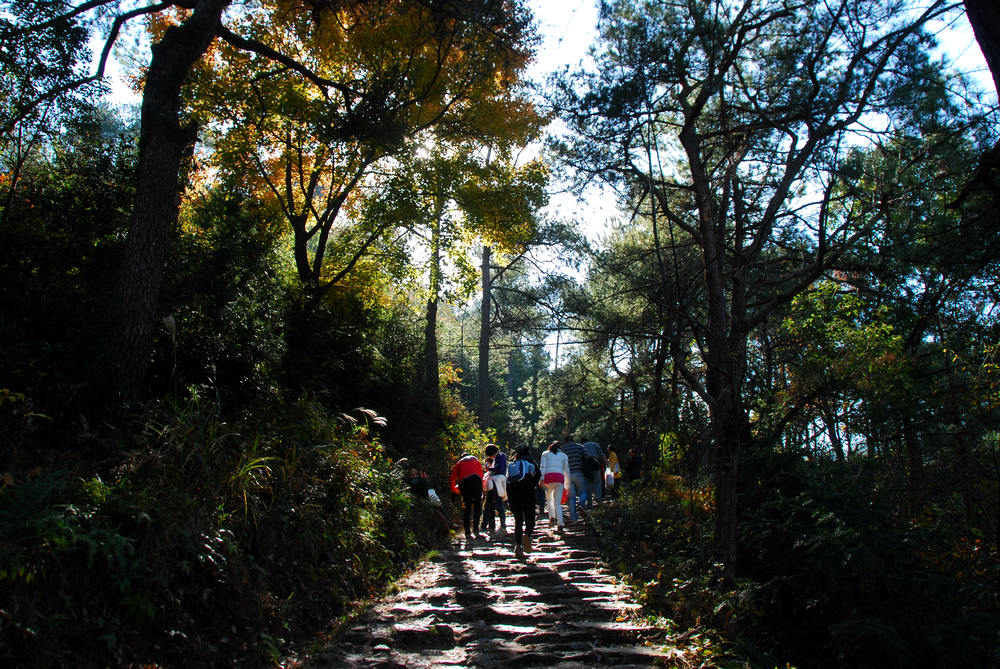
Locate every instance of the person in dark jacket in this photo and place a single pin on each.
(594, 462)
(521, 498)
(633, 467)
(576, 484)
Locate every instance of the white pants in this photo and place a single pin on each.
(553, 502)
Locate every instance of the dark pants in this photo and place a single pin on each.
(494, 509)
(522, 507)
(471, 488)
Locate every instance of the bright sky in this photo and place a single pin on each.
(567, 28)
(958, 43)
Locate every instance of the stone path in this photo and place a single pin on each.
(479, 606)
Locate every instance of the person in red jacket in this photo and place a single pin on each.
(467, 480)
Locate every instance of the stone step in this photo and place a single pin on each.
(477, 605)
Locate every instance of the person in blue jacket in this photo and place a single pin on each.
(522, 479)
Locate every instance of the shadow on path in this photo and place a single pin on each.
(479, 606)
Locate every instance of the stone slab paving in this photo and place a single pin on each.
(478, 606)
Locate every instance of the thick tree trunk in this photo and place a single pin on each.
(724, 359)
(162, 146)
(984, 15)
(484, 342)
(729, 430)
(300, 251)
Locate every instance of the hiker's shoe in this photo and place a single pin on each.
(526, 543)
(468, 538)
(518, 552)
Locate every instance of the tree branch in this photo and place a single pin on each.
(254, 46)
(55, 92)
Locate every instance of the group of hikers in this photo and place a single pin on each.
(571, 473)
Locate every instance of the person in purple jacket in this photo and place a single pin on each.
(496, 494)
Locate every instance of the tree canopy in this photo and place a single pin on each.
(338, 242)
(730, 127)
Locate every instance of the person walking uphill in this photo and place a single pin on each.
(496, 491)
(614, 466)
(555, 475)
(594, 463)
(522, 478)
(577, 482)
(467, 480)
(633, 467)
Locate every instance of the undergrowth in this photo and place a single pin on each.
(206, 542)
(827, 577)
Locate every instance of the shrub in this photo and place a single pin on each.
(838, 580)
(827, 577)
(208, 543)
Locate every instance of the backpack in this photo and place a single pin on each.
(590, 463)
(520, 473)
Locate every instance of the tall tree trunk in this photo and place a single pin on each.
(162, 147)
(996, 524)
(830, 418)
(431, 382)
(534, 404)
(484, 341)
(724, 356)
(654, 418)
(984, 16)
(729, 431)
(300, 250)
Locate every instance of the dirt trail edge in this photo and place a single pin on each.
(479, 606)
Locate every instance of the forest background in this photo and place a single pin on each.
(327, 242)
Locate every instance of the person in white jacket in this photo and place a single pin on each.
(555, 475)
